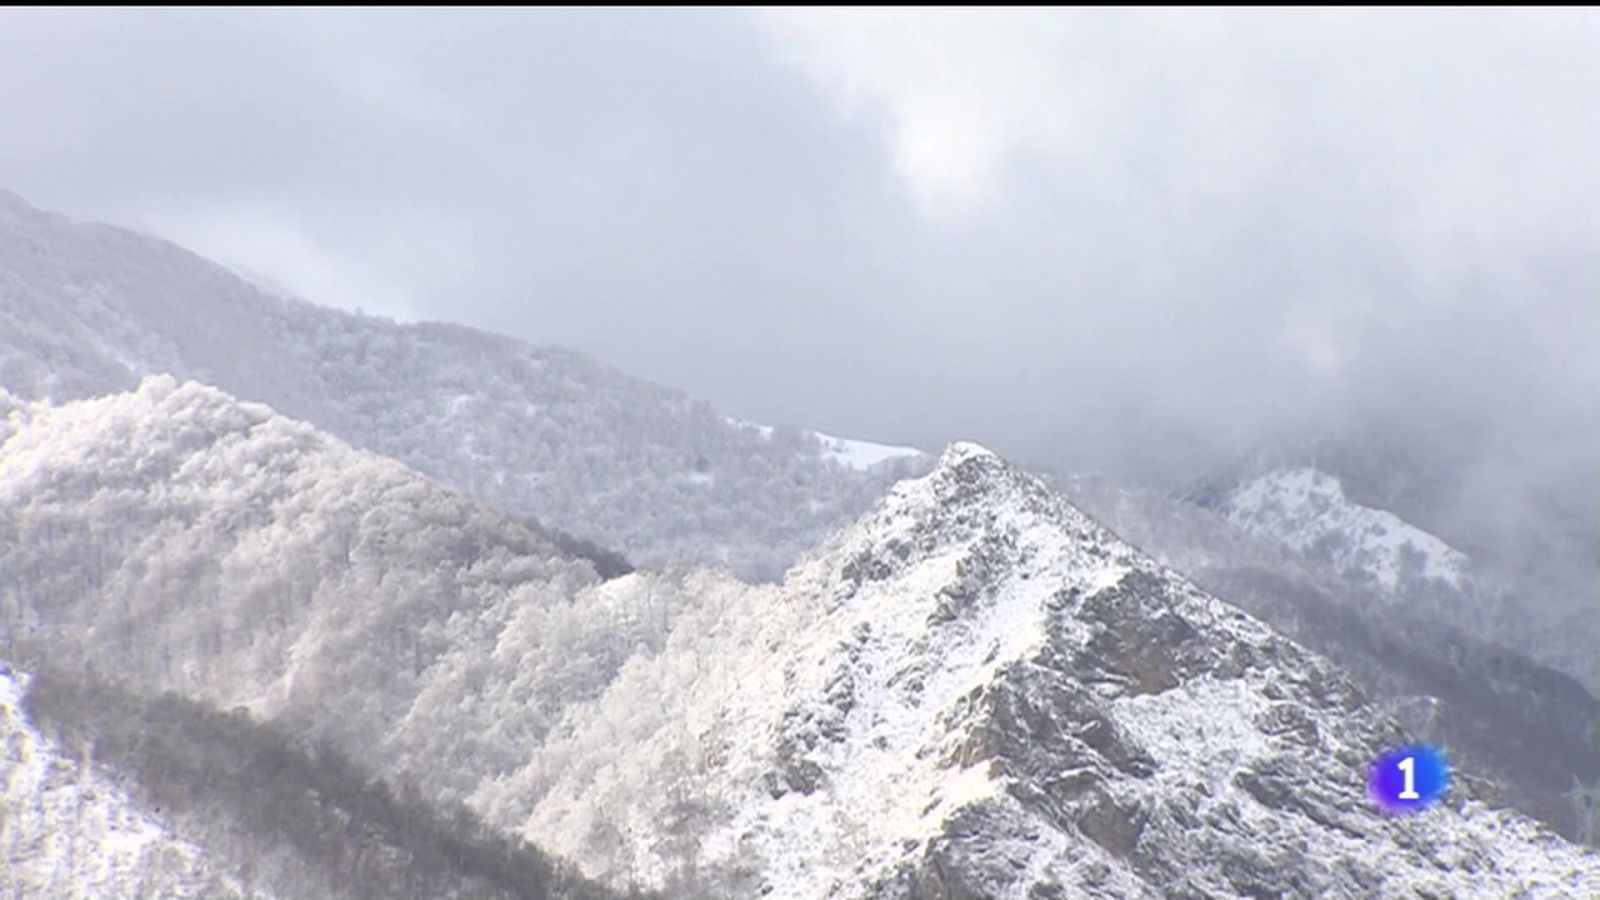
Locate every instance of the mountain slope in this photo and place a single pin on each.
(976, 691)
(280, 819)
(179, 539)
(68, 831)
(544, 433)
(176, 539)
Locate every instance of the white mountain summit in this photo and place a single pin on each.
(976, 691)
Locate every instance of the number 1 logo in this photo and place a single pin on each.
(1408, 766)
(1408, 779)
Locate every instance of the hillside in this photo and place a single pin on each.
(176, 538)
(101, 782)
(69, 831)
(542, 433)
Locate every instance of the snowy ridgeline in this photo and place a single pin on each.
(1307, 510)
(1440, 658)
(1548, 613)
(541, 433)
(552, 437)
(973, 688)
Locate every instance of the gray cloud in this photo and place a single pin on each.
(1099, 240)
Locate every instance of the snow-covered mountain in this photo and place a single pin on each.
(1531, 730)
(1307, 511)
(540, 432)
(973, 691)
(901, 716)
(977, 691)
(1507, 557)
(183, 540)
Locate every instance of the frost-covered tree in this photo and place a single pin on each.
(250, 561)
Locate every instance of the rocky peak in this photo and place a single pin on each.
(997, 696)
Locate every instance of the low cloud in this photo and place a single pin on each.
(1106, 239)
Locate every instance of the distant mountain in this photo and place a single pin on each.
(1307, 511)
(1508, 557)
(1529, 729)
(539, 432)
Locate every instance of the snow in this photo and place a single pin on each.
(849, 452)
(1308, 511)
(1202, 733)
(858, 670)
(907, 675)
(1205, 735)
(764, 430)
(863, 455)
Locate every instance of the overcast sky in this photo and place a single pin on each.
(1045, 231)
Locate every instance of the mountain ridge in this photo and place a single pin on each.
(1531, 729)
(1113, 644)
(540, 432)
(975, 687)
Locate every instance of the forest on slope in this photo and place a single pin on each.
(544, 433)
(270, 813)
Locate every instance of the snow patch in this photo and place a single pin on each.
(855, 454)
(863, 455)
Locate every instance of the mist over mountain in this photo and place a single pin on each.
(1511, 563)
(551, 436)
(1428, 653)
